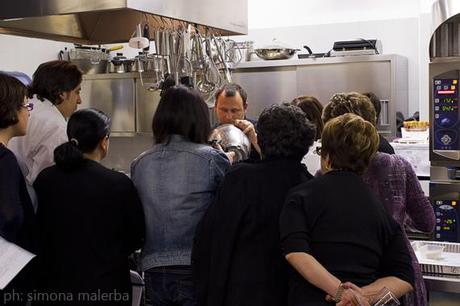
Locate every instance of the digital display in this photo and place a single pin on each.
(446, 92)
(449, 108)
(446, 228)
(446, 114)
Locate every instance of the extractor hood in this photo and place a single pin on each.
(113, 21)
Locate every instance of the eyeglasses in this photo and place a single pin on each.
(29, 106)
(317, 150)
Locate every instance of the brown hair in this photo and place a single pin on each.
(12, 94)
(349, 142)
(53, 78)
(313, 109)
(376, 102)
(352, 102)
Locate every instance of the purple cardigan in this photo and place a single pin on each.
(395, 182)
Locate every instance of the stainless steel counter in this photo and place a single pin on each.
(314, 61)
(277, 81)
(442, 283)
(442, 291)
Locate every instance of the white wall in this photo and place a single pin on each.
(25, 54)
(394, 35)
(402, 26)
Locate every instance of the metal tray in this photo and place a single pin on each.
(449, 264)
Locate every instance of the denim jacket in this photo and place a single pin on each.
(176, 183)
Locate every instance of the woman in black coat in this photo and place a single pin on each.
(335, 232)
(237, 259)
(17, 218)
(90, 219)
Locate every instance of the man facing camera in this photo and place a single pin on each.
(231, 105)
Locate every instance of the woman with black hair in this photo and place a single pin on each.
(17, 217)
(177, 180)
(90, 219)
(237, 259)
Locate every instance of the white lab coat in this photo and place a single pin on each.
(47, 129)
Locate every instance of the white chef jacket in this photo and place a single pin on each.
(312, 160)
(47, 129)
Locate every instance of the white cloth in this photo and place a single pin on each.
(47, 129)
(12, 260)
(312, 160)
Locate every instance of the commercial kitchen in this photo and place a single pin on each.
(407, 53)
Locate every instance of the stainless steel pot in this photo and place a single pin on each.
(231, 139)
(275, 54)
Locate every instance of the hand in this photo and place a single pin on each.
(248, 129)
(231, 156)
(352, 296)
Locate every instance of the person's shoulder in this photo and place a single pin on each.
(6, 154)
(400, 162)
(8, 160)
(243, 167)
(109, 173)
(382, 159)
(144, 155)
(47, 174)
(208, 152)
(388, 160)
(308, 186)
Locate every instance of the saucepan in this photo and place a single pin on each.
(275, 53)
(277, 50)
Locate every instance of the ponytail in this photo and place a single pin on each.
(68, 156)
(85, 129)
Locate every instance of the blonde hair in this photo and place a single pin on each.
(350, 142)
(352, 102)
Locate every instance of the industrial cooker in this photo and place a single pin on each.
(444, 76)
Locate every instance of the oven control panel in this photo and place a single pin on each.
(446, 212)
(446, 114)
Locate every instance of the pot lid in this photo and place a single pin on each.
(277, 44)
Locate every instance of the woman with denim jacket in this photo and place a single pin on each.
(177, 180)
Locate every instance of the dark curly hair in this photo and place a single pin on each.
(53, 78)
(12, 94)
(283, 131)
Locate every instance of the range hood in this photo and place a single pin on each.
(113, 21)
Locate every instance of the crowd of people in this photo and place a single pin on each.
(281, 228)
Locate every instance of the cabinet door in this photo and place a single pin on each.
(322, 81)
(116, 98)
(147, 103)
(266, 86)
